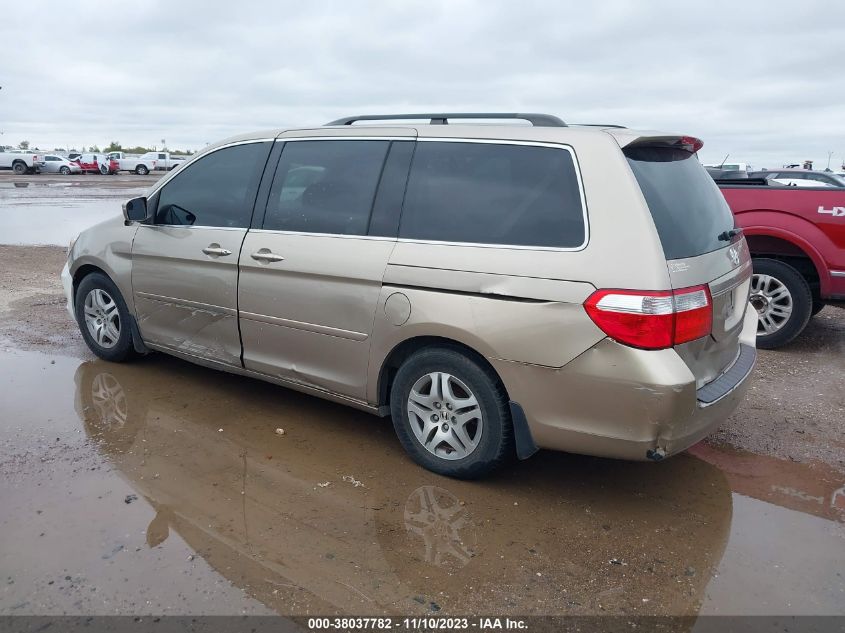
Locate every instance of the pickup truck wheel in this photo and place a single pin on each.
(783, 302)
(19, 168)
(142, 170)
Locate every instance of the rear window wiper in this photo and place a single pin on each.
(727, 236)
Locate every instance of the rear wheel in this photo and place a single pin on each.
(19, 168)
(451, 414)
(783, 302)
(103, 318)
(142, 170)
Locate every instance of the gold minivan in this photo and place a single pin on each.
(495, 289)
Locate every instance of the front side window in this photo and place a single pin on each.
(217, 190)
(325, 186)
(487, 193)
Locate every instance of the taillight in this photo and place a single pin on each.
(690, 143)
(652, 319)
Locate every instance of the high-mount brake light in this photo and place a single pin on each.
(650, 319)
(690, 143)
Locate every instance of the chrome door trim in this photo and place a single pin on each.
(837, 273)
(307, 327)
(337, 235)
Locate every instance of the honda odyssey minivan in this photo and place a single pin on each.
(494, 289)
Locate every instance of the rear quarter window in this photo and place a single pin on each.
(688, 209)
(497, 194)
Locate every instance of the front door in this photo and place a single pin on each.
(312, 273)
(185, 262)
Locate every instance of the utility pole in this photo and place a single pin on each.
(829, 155)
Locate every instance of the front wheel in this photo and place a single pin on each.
(783, 301)
(104, 170)
(142, 170)
(451, 414)
(103, 318)
(64, 170)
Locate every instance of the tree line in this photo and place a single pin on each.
(114, 146)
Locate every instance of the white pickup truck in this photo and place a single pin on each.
(164, 160)
(141, 165)
(21, 162)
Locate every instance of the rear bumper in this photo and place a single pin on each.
(620, 402)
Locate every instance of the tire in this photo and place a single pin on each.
(486, 437)
(142, 170)
(64, 170)
(112, 340)
(104, 170)
(783, 302)
(20, 168)
(818, 306)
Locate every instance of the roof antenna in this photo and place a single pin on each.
(722, 164)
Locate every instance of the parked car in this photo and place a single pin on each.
(54, 164)
(21, 162)
(801, 177)
(164, 161)
(495, 316)
(797, 241)
(97, 164)
(138, 164)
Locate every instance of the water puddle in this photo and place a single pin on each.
(55, 213)
(178, 494)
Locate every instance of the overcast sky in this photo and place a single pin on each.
(763, 83)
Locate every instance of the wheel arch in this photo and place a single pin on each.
(406, 348)
(793, 251)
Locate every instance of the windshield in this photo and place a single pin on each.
(689, 211)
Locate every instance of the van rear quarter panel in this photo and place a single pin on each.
(524, 304)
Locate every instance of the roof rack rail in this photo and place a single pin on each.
(611, 125)
(442, 118)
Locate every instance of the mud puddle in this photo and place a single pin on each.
(161, 487)
(52, 212)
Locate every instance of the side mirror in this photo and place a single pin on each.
(135, 210)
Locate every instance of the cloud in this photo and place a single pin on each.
(755, 80)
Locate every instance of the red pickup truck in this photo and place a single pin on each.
(797, 241)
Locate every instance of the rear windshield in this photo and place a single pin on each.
(688, 209)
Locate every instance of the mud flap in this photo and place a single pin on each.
(525, 446)
(137, 341)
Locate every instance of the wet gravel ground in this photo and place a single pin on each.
(162, 487)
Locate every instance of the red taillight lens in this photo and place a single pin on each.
(690, 143)
(652, 319)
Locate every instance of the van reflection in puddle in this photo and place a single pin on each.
(557, 534)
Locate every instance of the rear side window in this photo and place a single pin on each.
(218, 190)
(688, 209)
(486, 193)
(325, 186)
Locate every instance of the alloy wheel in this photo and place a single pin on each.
(102, 318)
(773, 302)
(445, 416)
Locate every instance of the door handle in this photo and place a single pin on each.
(265, 255)
(214, 249)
